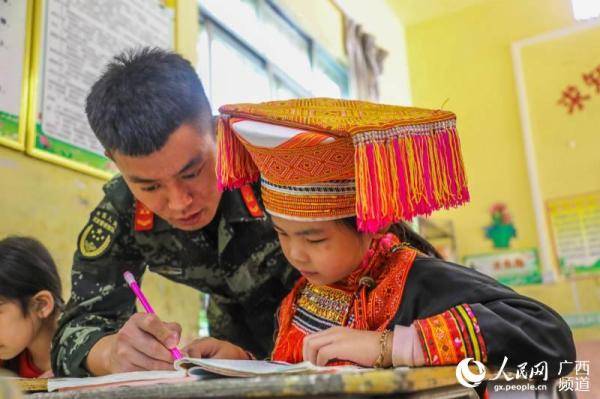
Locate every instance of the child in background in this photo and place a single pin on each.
(30, 304)
(337, 178)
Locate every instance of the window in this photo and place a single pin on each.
(250, 51)
(585, 9)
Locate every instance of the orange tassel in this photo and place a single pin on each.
(235, 166)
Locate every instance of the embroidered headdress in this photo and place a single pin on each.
(323, 159)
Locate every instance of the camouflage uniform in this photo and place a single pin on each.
(236, 259)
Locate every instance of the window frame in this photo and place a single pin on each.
(318, 57)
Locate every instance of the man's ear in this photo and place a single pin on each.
(42, 304)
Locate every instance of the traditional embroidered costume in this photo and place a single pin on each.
(325, 159)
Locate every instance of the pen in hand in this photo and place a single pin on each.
(142, 298)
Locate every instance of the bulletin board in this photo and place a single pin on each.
(510, 267)
(73, 40)
(575, 227)
(15, 40)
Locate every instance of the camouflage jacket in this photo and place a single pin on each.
(236, 259)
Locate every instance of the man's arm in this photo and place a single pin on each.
(100, 300)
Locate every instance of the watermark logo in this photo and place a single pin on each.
(466, 377)
(577, 381)
(532, 375)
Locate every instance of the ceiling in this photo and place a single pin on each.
(412, 12)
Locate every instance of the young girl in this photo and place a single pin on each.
(30, 303)
(337, 178)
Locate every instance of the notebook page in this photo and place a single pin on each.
(62, 383)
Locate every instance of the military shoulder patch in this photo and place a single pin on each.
(98, 235)
(251, 201)
(144, 218)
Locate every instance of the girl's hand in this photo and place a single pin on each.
(343, 343)
(208, 347)
(47, 374)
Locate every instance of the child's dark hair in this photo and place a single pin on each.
(404, 233)
(27, 268)
(142, 97)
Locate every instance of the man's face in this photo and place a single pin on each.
(177, 182)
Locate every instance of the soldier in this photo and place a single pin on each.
(165, 214)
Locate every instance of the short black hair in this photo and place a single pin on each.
(27, 268)
(143, 96)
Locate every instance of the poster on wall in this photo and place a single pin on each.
(75, 41)
(575, 227)
(15, 24)
(510, 267)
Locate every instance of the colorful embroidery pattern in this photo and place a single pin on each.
(336, 115)
(308, 308)
(449, 337)
(321, 307)
(292, 165)
(308, 207)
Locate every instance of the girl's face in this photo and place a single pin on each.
(17, 330)
(324, 252)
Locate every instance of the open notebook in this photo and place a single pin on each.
(189, 369)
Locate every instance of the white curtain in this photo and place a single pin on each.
(365, 59)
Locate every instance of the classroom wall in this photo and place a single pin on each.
(460, 59)
(455, 57)
(52, 204)
(463, 61)
(566, 144)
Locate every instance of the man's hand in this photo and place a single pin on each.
(142, 343)
(343, 343)
(208, 347)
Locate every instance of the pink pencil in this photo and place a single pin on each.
(140, 295)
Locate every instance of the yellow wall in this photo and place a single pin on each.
(187, 28)
(566, 145)
(465, 58)
(45, 201)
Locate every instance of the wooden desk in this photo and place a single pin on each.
(434, 382)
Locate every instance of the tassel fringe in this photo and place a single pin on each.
(235, 166)
(405, 172)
